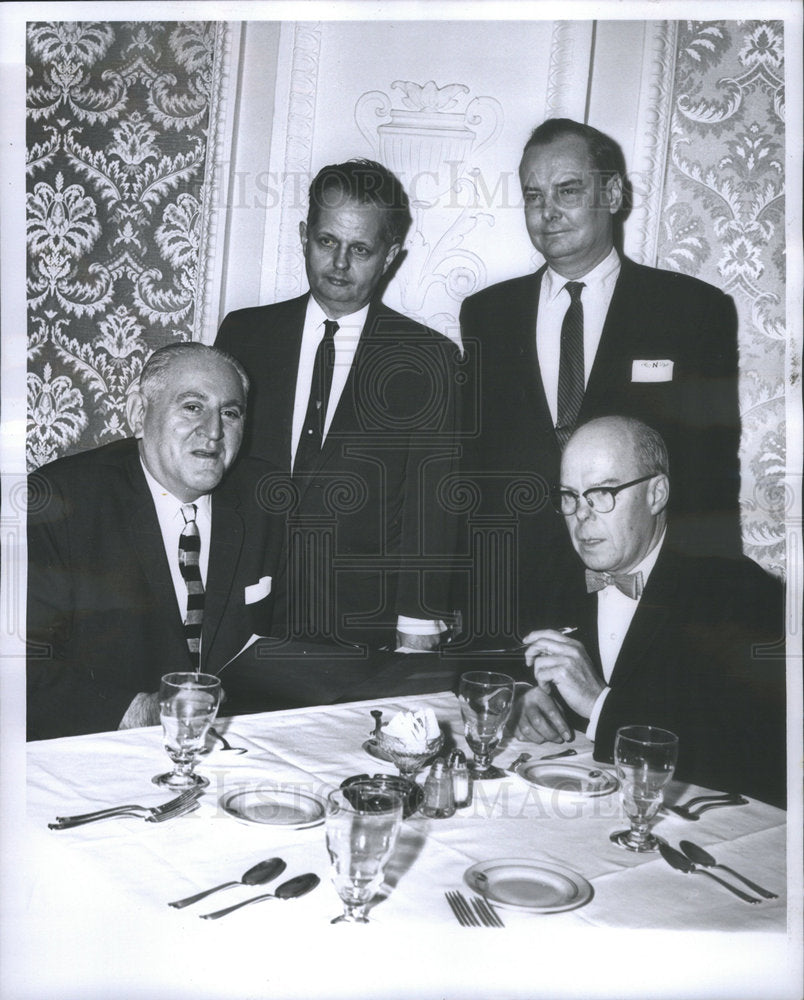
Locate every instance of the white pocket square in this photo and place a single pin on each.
(652, 371)
(256, 591)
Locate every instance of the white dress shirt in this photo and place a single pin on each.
(554, 301)
(171, 524)
(615, 612)
(347, 338)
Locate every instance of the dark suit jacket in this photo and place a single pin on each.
(368, 535)
(103, 620)
(704, 658)
(509, 435)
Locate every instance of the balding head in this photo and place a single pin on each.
(609, 452)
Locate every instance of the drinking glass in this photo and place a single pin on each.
(486, 700)
(645, 758)
(188, 703)
(362, 825)
(409, 760)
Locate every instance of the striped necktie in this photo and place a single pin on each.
(189, 553)
(570, 365)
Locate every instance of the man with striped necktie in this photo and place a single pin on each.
(147, 555)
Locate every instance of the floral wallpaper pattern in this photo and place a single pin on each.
(117, 118)
(723, 213)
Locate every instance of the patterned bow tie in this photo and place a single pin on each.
(630, 584)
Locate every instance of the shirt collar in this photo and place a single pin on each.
(168, 504)
(553, 283)
(645, 566)
(346, 324)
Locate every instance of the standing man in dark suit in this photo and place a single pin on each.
(593, 333)
(111, 608)
(354, 406)
(689, 644)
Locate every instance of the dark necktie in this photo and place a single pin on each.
(189, 553)
(570, 365)
(629, 584)
(312, 435)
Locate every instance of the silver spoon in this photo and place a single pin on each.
(225, 744)
(258, 875)
(701, 857)
(294, 887)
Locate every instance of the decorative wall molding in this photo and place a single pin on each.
(214, 209)
(301, 47)
(654, 114)
(570, 67)
(430, 142)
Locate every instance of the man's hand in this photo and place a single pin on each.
(539, 719)
(557, 659)
(143, 711)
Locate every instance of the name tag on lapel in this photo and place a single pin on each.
(257, 591)
(652, 371)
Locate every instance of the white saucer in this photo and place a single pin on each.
(272, 805)
(528, 884)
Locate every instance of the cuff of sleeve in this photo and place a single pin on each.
(597, 708)
(419, 626)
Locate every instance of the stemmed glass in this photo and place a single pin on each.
(409, 760)
(645, 758)
(362, 825)
(486, 700)
(188, 703)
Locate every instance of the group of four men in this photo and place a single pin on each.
(299, 481)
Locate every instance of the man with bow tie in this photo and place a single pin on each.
(690, 644)
(590, 333)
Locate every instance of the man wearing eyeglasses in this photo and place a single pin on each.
(690, 644)
(588, 334)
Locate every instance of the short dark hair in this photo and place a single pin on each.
(605, 154)
(365, 182)
(156, 370)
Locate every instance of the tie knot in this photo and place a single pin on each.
(630, 584)
(330, 329)
(574, 289)
(188, 512)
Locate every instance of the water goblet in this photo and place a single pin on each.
(188, 703)
(486, 699)
(645, 758)
(362, 825)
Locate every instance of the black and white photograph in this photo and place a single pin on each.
(401, 446)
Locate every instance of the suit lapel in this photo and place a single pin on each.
(147, 542)
(624, 318)
(651, 614)
(226, 543)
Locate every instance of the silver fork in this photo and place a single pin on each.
(487, 913)
(153, 813)
(703, 804)
(461, 909)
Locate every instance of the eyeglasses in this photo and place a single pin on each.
(601, 499)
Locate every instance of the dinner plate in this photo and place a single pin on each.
(575, 779)
(275, 806)
(528, 884)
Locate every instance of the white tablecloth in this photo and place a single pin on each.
(94, 918)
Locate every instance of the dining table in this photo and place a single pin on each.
(93, 920)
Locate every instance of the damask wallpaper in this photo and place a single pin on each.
(117, 122)
(723, 215)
